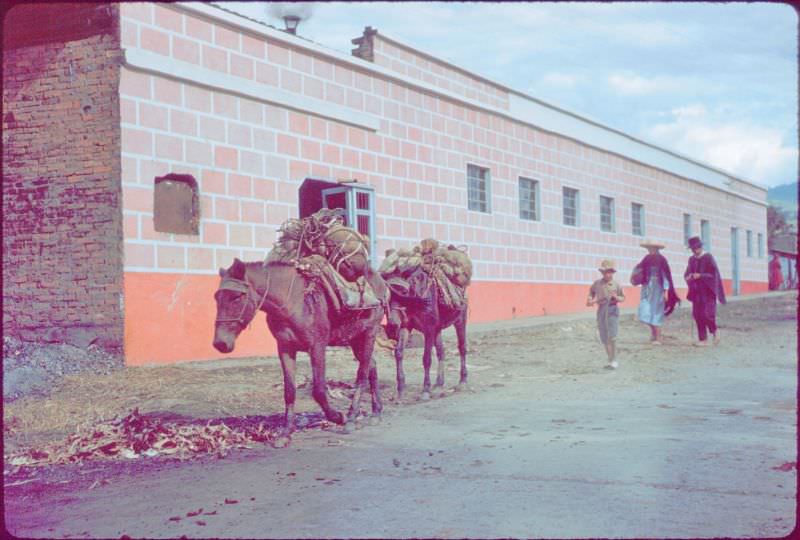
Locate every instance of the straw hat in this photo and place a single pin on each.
(606, 265)
(651, 243)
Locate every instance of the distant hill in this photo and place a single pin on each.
(783, 195)
(785, 198)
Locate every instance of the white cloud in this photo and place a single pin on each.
(631, 84)
(560, 80)
(742, 148)
(648, 34)
(689, 111)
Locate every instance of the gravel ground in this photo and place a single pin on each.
(35, 370)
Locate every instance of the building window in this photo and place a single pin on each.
(571, 207)
(637, 219)
(760, 245)
(687, 228)
(705, 234)
(478, 189)
(606, 214)
(528, 199)
(749, 243)
(176, 205)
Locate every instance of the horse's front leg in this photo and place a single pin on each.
(362, 351)
(461, 334)
(402, 339)
(288, 364)
(440, 358)
(430, 338)
(318, 381)
(374, 387)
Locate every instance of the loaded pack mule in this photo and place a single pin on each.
(301, 317)
(416, 304)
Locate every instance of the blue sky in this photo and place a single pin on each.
(713, 81)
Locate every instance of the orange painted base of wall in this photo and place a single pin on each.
(745, 287)
(170, 317)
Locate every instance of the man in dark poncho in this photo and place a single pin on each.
(705, 288)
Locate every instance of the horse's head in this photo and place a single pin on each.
(237, 304)
(411, 293)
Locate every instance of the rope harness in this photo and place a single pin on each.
(242, 287)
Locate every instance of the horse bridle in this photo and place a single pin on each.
(242, 287)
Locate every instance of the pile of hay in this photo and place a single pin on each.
(137, 435)
(449, 266)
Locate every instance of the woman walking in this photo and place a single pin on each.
(654, 275)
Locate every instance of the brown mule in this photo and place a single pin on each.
(419, 308)
(301, 318)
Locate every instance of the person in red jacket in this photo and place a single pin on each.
(705, 289)
(775, 274)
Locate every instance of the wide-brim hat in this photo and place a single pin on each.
(695, 242)
(651, 243)
(607, 265)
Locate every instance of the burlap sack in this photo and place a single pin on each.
(347, 250)
(389, 264)
(428, 245)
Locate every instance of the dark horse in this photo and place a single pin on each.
(420, 308)
(301, 318)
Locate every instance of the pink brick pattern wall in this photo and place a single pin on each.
(414, 65)
(249, 159)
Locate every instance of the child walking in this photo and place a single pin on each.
(606, 293)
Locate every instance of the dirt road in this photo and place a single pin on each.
(679, 442)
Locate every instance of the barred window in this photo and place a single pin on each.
(478, 189)
(705, 234)
(606, 214)
(749, 243)
(528, 199)
(637, 219)
(571, 208)
(687, 228)
(760, 245)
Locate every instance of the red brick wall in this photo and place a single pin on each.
(62, 220)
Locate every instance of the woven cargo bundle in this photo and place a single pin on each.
(322, 233)
(449, 266)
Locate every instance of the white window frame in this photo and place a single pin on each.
(749, 236)
(687, 228)
(705, 234)
(487, 189)
(577, 206)
(611, 211)
(534, 185)
(640, 206)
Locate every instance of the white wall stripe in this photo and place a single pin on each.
(141, 60)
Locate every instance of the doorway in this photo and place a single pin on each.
(735, 259)
(353, 201)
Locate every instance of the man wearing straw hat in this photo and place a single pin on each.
(655, 277)
(606, 293)
(705, 288)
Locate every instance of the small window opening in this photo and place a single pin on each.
(176, 207)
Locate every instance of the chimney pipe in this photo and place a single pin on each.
(291, 22)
